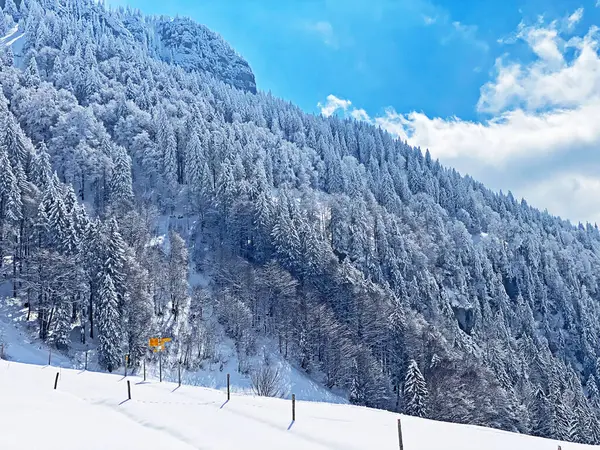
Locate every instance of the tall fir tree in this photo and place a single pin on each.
(10, 8)
(3, 24)
(109, 326)
(121, 190)
(31, 75)
(415, 391)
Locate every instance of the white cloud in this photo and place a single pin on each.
(467, 33)
(325, 31)
(574, 18)
(360, 114)
(550, 82)
(574, 193)
(466, 29)
(544, 43)
(499, 141)
(429, 20)
(542, 138)
(333, 104)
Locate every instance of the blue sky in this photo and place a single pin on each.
(506, 91)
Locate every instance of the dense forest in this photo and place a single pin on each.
(369, 265)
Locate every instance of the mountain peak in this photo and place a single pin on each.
(194, 47)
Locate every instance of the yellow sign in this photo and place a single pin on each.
(158, 344)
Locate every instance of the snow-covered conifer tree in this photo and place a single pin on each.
(415, 391)
(121, 190)
(109, 326)
(3, 24)
(31, 76)
(11, 9)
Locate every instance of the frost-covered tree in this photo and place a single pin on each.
(10, 201)
(138, 312)
(114, 261)
(415, 391)
(3, 24)
(121, 188)
(31, 76)
(10, 8)
(109, 326)
(61, 334)
(178, 285)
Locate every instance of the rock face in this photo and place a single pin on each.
(192, 46)
(465, 318)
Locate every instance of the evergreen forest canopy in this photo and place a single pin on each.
(366, 263)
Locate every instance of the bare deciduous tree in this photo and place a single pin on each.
(266, 381)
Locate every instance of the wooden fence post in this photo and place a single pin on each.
(179, 373)
(56, 380)
(126, 360)
(49, 356)
(128, 389)
(160, 367)
(144, 369)
(86, 357)
(1, 351)
(228, 389)
(293, 407)
(400, 435)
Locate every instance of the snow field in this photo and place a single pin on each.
(90, 410)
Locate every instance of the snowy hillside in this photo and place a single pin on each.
(90, 410)
(142, 194)
(20, 345)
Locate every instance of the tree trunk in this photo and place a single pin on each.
(15, 270)
(28, 305)
(22, 250)
(91, 314)
(1, 232)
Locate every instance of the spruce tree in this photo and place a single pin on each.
(167, 143)
(415, 391)
(15, 142)
(109, 326)
(3, 25)
(139, 309)
(194, 162)
(41, 168)
(178, 288)
(8, 56)
(10, 196)
(11, 9)
(592, 394)
(593, 426)
(115, 261)
(31, 75)
(24, 7)
(121, 190)
(62, 328)
(10, 201)
(561, 420)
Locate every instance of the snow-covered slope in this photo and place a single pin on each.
(13, 39)
(89, 410)
(20, 344)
